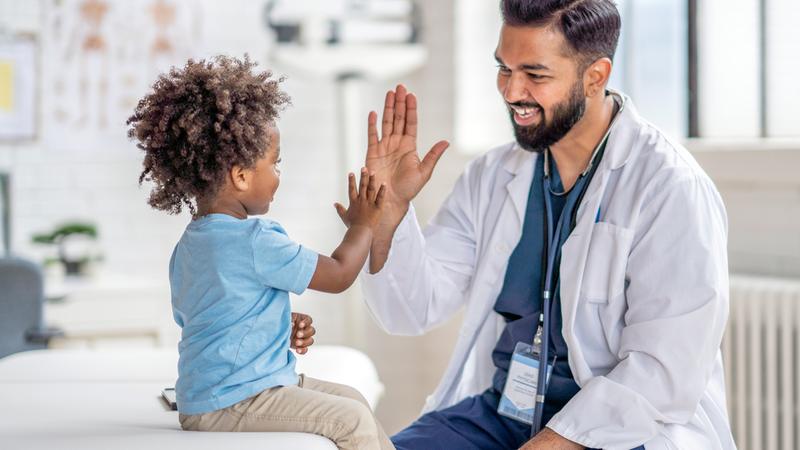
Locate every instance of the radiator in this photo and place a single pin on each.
(761, 352)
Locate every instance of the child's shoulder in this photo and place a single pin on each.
(270, 236)
(229, 232)
(268, 233)
(223, 222)
(265, 225)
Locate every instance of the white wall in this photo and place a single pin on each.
(759, 184)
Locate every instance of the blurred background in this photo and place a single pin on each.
(719, 76)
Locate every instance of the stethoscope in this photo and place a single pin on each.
(552, 252)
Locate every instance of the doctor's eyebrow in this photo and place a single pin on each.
(536, 66)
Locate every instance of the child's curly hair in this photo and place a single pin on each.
(198, 122)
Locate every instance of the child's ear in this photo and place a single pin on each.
(240, 178)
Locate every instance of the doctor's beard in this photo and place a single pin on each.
(536, 138)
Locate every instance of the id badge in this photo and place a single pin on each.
(519, 394)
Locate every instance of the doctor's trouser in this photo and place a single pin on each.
(338, 412)
(471, 424)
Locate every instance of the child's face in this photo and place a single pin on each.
(265, 177)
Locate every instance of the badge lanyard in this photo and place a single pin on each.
(552, 252)
(549, 275)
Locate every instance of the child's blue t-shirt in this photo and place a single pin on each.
(229, 279)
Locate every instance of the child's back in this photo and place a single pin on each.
(229, 280)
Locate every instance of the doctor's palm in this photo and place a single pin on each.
(393, 157)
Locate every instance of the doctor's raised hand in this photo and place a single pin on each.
(393, 160)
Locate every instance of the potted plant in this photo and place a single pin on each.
(75, 243)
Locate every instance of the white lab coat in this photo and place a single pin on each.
(644, 289)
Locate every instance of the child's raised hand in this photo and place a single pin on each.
(366, 202)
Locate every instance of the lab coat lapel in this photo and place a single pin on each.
(503, 225)
(507, 227)
(619, 149)
(520, 164)
(573, 261)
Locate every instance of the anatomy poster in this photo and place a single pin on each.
(17, 89)
(100, 57)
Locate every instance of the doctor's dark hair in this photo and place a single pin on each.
(198, 122)
(590, 27)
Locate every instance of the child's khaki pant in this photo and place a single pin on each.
(338, 412)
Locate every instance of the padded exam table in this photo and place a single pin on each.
(111, 399)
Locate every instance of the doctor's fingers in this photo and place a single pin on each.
(388, 115)
(411, 115)
(432, 157)
(372, 133)
(399, 110)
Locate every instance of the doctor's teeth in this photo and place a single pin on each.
(523, 112)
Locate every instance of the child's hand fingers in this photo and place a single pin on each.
(381, 197)
(301, 337)
(362, 190)
(303, 343)
(305, 321)
(372, 190)
(351, 187)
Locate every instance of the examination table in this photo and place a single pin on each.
(111, 399)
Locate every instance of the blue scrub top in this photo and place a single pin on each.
(520, 300)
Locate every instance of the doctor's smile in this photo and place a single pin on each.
(526, 114)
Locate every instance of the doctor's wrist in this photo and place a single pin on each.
(548, 439)
(381, 244)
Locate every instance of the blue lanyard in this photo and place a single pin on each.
(552, 250)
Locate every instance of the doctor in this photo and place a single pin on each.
(593, 228)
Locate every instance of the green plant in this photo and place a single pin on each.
(71, 241)
(66, 230)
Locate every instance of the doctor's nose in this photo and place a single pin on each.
(514, 88)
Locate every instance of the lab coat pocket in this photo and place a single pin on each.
(606, 263)
(601, 302)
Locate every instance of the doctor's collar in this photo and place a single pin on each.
(619, 101)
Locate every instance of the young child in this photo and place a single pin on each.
(211, 144)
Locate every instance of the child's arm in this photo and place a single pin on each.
(336, 273)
